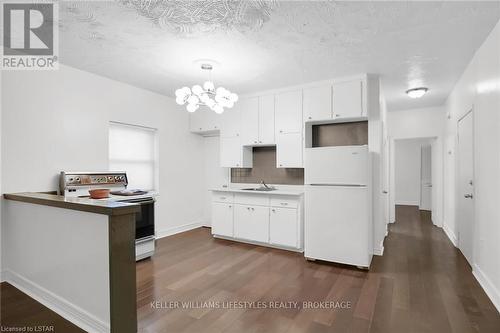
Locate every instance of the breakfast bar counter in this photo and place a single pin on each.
(74, 255)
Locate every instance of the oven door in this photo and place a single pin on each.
(145, 218)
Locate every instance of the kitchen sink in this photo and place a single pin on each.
(263, 189)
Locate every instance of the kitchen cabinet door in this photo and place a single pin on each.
(283, 227)
(348, 99)
(288, 111)
(231, 122)
(233, 154)
(222, 219)
(249, 108)
(318, 103)
(251, 223)
(230, 152)
(266, 119)
(289, 150)
(204, 120)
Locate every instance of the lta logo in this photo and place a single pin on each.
(29, 36)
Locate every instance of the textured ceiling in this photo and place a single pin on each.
(258, 45)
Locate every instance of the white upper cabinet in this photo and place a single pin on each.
(266, 119)
(249, 108)
(318, 103)
(348, 99)
(289, 150)
(204, 120)
(231, 121)
(288, 112)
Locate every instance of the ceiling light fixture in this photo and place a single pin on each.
(215, 99)
(416, 92)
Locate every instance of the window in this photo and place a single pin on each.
(133, 149)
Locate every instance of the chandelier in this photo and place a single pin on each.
(215, 99)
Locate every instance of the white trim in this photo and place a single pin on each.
(407, 203)
(61, 306)
(179, 229)
(378, 251)
(488, 287)
(450, 234)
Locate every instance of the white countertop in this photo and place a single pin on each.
(275, 192)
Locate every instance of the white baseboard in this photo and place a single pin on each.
(451, 235)
(378, 251)
(61, 306)
(179, 229)
(487, 285)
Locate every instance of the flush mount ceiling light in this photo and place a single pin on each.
(215, 99)
(416, 92)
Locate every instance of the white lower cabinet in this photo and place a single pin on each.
(251, 223)
(222, 219)
(276, 220)
(283, 228)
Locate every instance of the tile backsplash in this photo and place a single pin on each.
(264, 168)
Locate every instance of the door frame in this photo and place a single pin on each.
(431, 147)
(457, 184)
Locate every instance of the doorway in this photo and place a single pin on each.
(416, 176)
(465, 200)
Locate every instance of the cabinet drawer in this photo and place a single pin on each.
(251, 199)
(223, 197)
(284, 201)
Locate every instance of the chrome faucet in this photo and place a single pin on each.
(264, 184)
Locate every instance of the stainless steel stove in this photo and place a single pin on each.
(78, 184)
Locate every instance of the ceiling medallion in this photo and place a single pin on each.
(186, 17)
(208, 95)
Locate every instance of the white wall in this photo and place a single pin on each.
(215, 176)
(419, 123)
(479, 89)
(407, 171)
(58, 120)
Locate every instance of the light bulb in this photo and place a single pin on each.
(204, 98)
(180, 100)
(193, 99)
(209, 86)
(218, 109)
(192, 107)
(210, 103)
(220, 91)
(197, 89)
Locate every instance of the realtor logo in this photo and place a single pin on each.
(29, 36)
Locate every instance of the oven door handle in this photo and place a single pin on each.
(140, 202)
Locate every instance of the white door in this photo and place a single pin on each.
(288, 111)
(222, 219)
(251, 223)
(230, 152)
(426, 178)
(266, 119)
(283, 227)
(318, 103)
(348, 99)
(289, 150)
(249, 108)
(466, 186)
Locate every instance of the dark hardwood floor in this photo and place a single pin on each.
(421, 284)
(21, 313)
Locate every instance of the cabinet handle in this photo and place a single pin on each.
(260, 141)
(248, 208)
(255, 142)
(281, 164)
(273, 210)
(281, 131)
(284, 203)
(337, 115)
(223, 198)
(253, 208)
(309, 117)
(200, 128)
(230, 206)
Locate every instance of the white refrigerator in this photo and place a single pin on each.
(337, 205)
